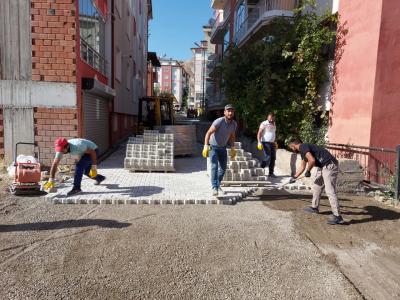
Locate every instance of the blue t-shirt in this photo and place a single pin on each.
(224, 130)
(78, 147)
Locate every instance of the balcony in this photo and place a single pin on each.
(214, 63)
(260, 15)
(221, 25)
(93, 58)
(218, 4)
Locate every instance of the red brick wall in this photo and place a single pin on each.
(51, 123)
(120, 131)
(53, 40)
(1, 134)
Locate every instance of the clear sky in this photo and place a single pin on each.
(176, 25)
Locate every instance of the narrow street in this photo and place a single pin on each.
(262, 247)
(219, 149)
(245, 251)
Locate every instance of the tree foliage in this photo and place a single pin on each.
(282, 74)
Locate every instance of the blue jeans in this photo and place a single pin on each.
(83, 166)
(270, 156)
(219, 156)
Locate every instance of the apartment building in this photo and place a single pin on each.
(188, 66)
(153, 64)
(201, 56)
(172, 79)
(76, 68)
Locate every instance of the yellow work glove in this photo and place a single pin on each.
(206, 149)
(276, 145)
(233, 152)
(49, 184)
(93, 171)
(259, 146)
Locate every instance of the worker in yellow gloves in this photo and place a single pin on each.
(266, 141)
(87, 151)
(218, 137)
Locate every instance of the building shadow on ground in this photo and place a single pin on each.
(63, 224)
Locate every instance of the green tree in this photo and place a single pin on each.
(282, 73)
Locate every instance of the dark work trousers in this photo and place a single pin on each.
(270, 156)
(83, 166)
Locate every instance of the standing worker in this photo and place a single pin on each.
(87, 152)
(266, 141)
(220, 134)
(327, 171)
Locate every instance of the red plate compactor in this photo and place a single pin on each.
(27, 174)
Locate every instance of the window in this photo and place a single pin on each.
(118, 63)
(240, 20)
(128, 25)
(118, 8)
(92, 35)
(128, 76)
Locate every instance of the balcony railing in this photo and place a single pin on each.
(264, 10)
(93, 58)
(220, 22)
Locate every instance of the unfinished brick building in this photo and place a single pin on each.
(71, 68)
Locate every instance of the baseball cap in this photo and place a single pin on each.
(60, 143)
(229, 106)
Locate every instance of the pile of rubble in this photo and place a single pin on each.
(152, 151)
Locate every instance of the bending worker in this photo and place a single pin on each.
(87, 152)
(327, 171)
(219, 135)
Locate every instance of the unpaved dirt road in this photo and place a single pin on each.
(245, 251)
(366, 250)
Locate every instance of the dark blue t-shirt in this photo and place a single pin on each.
(322, 156)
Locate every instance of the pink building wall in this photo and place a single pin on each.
(353, 98)
(385, 131)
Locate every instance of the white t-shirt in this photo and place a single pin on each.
(268, 131)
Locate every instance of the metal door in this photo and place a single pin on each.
(96, 120)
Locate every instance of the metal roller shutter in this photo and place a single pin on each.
(96, 121)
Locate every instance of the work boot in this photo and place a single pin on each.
(215, 192)
(220, 191)
(99, 179)
(74, 191)
(312, 210)
(335, 220)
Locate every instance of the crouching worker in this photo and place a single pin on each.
(326, 176)
(87, 152)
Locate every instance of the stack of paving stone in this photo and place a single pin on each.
(184, 138)
(152, 151)
(242, 168)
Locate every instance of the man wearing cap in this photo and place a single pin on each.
(87, 152)
(219, 135)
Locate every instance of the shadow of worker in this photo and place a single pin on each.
(373, 214)
(63, 224)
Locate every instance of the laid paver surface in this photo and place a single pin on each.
(190, 184)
